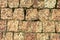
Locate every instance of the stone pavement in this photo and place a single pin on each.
(29, 19)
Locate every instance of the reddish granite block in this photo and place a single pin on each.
(58, 4)
(29, 26)
(2, 25)
(38, 4)
(55, 14)
(30, 36)
(1, 35)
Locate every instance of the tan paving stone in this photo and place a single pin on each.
(56, 14)
(57, 26)
(50, 3)
(6, 13)
(38, 4)
(18, 14)
(43, 14)
(3, 3)
(48, 26)
(32, 14)
(19, 36)
(12, 25)
(54, 36)
(1, 36)
(28, 26)
(42, 36)
(8, 36)
(26, 3)
(30, 36)
(58, 4)
(2, 25)
(13, 3)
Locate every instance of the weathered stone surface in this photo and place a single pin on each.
(3, 3)
(48, 26)
(1, 36)
(9, 36)
(57, 26)
(19, 36)
(13, 3)
(38, 4)
(18, 14)
(6, 13)
(43, 14)
(50, 3)
(42, 36)
(12, 25)
(54, 36)
(58, 4)
(56, 14)
(28, 26)
(26, 3)
(30, 36)
(32, 14)
(2, 25)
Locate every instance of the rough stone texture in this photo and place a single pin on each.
(1, 36)
(19, 36)
(42, 36)
(58, 4)
(12, 25)
(13, 3)
(54, 36)
(38, 3)
(6, 13)
(2, 25)
(26, 3)
(50, 3)
(56, 14)
(30, 36)
(29, 19)
(43, 14)
(48, 26)
(31, 14)
(29, 26)
(3, 3)
(8, 36)
(57, 26)
(18, 14)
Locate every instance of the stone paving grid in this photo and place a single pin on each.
(30, 20)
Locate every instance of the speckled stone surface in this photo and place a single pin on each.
(29, 19)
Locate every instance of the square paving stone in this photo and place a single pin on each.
(19, 36)
(12, 25)
(48, 26)
(13, 3)
(6, 13)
